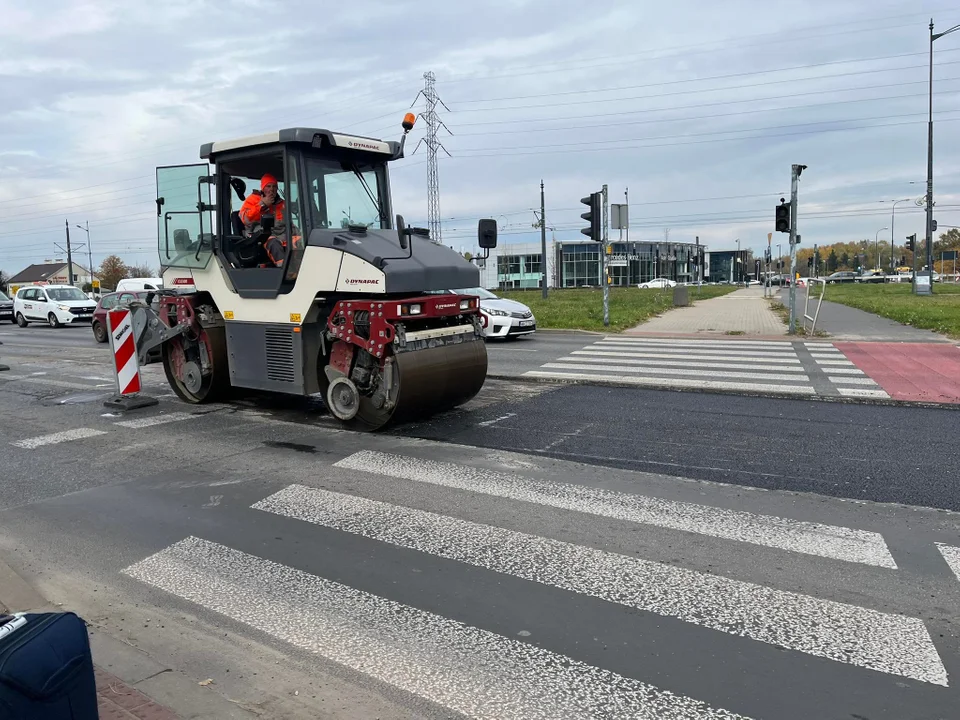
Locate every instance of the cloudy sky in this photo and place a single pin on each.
(697, 108)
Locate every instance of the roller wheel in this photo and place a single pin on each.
(429, 381)
(181, 364)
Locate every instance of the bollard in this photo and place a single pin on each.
(2, 366)
(126, 364)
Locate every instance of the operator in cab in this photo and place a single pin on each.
(267, 202)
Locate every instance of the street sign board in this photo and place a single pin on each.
(619, 219)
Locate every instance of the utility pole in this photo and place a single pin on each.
(604, 271)
(543, 242)
(795, 171)
(69, 255)
(626, 201)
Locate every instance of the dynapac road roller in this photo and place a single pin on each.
(318, 290)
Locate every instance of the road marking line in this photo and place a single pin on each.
(829, 541)
(474, 672)
(719, 364)
(488, 423)
(859, 392)
(843, 371)
(777, 344)
(792, 360)
(58, 437)
(156, 420)
(841, 632)
(844, 363)
(712, 352)
(679, 371)
(952, 556)
(852, 380)
(673, 382)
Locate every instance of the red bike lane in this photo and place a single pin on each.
(918, 372)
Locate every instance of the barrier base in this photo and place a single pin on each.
(130, 402)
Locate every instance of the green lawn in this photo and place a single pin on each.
(939, 312)
(582, 309)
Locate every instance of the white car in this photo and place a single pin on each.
(56, 305)
(658, 283)
(504, 318)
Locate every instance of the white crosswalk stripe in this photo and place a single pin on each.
(951, 555)
(471, 671)
(844, 633)
(706, 364)
(483, 674)
(809, 538)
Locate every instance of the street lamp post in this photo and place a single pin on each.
(876, 241)
(933, 36)
(89, 250)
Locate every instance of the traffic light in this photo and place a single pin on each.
(911, 242)
(783, 217)
(810, 261)
(592, 216)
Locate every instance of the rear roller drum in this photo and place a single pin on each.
(182, 366)
(425, 382)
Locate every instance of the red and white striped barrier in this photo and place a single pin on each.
(126, 364)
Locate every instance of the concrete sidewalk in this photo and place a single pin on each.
(743, 312)
(130, 684)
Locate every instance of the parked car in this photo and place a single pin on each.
(658, 283)
(6, 308)
(136, 284)
(873, 276)
(109, 302)
(842, 276)
(57, 305)
(504, 318)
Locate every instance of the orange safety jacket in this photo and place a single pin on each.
(251, 211)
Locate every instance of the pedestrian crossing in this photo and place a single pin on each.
(481, 673)
(780, 367)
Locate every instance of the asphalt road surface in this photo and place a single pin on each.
(544, 552)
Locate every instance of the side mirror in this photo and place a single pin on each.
(487, 233)
(401, 232)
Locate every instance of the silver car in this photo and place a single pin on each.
(504, 318)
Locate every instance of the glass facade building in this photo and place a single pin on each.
(577, 264)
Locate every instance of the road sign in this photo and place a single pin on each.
(619, 217)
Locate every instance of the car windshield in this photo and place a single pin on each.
(482, 293)
(64, 294)
(344, 195)
(3, 297)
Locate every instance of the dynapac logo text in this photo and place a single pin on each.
(360, 281)
(365, 146)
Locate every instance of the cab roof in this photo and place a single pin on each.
(316, 137)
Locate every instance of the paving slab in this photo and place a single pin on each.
(744, 312)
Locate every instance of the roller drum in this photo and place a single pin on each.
(429, 381)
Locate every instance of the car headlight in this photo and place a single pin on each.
(499, 313)
(64, 308)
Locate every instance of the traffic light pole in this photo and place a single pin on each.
(794, 181)
(604, 270)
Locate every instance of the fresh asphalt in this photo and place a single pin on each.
(75, 514)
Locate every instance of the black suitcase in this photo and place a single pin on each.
(46, 668)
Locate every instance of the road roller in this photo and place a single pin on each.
(286, 271)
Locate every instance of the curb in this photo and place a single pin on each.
(16, 594)
(601, 382)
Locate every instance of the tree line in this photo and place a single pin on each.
(862, 255)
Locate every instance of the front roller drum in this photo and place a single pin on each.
(427, 381)
(182, 364)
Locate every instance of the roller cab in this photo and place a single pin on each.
(322, 291)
